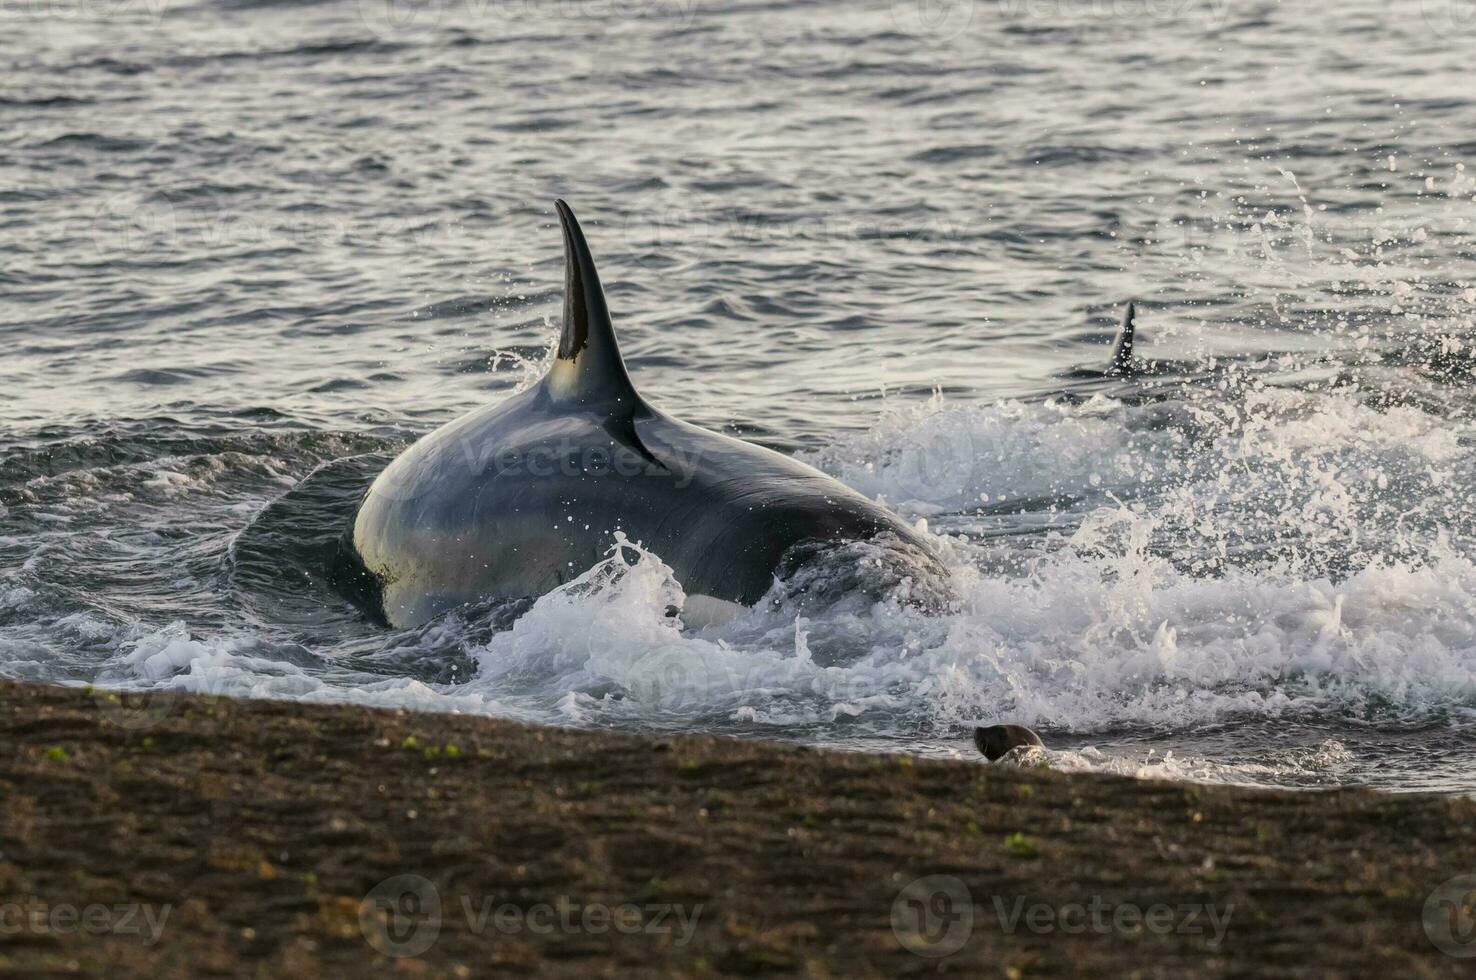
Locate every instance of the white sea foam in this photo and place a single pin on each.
(1285, 555)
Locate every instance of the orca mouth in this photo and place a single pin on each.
(349, 577)
(296, 555)
(830, 574)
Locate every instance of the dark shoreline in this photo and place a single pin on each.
(250, 837)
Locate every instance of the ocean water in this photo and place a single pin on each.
(251, 249)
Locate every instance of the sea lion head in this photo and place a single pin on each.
(996, 740)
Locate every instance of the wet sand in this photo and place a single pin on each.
(192, 836)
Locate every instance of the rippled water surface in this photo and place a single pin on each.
(249, 250)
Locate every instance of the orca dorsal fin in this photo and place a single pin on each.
(588, 368)
(1122, 344)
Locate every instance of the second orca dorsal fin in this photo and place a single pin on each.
(1122, 344)
(589, 368)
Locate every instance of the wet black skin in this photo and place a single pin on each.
(995, 741)
(514, 499)
(1122, 363)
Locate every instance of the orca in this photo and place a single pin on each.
(1122, 344)
(515, 499)
(1121, 363)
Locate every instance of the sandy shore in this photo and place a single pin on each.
(194, 836)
